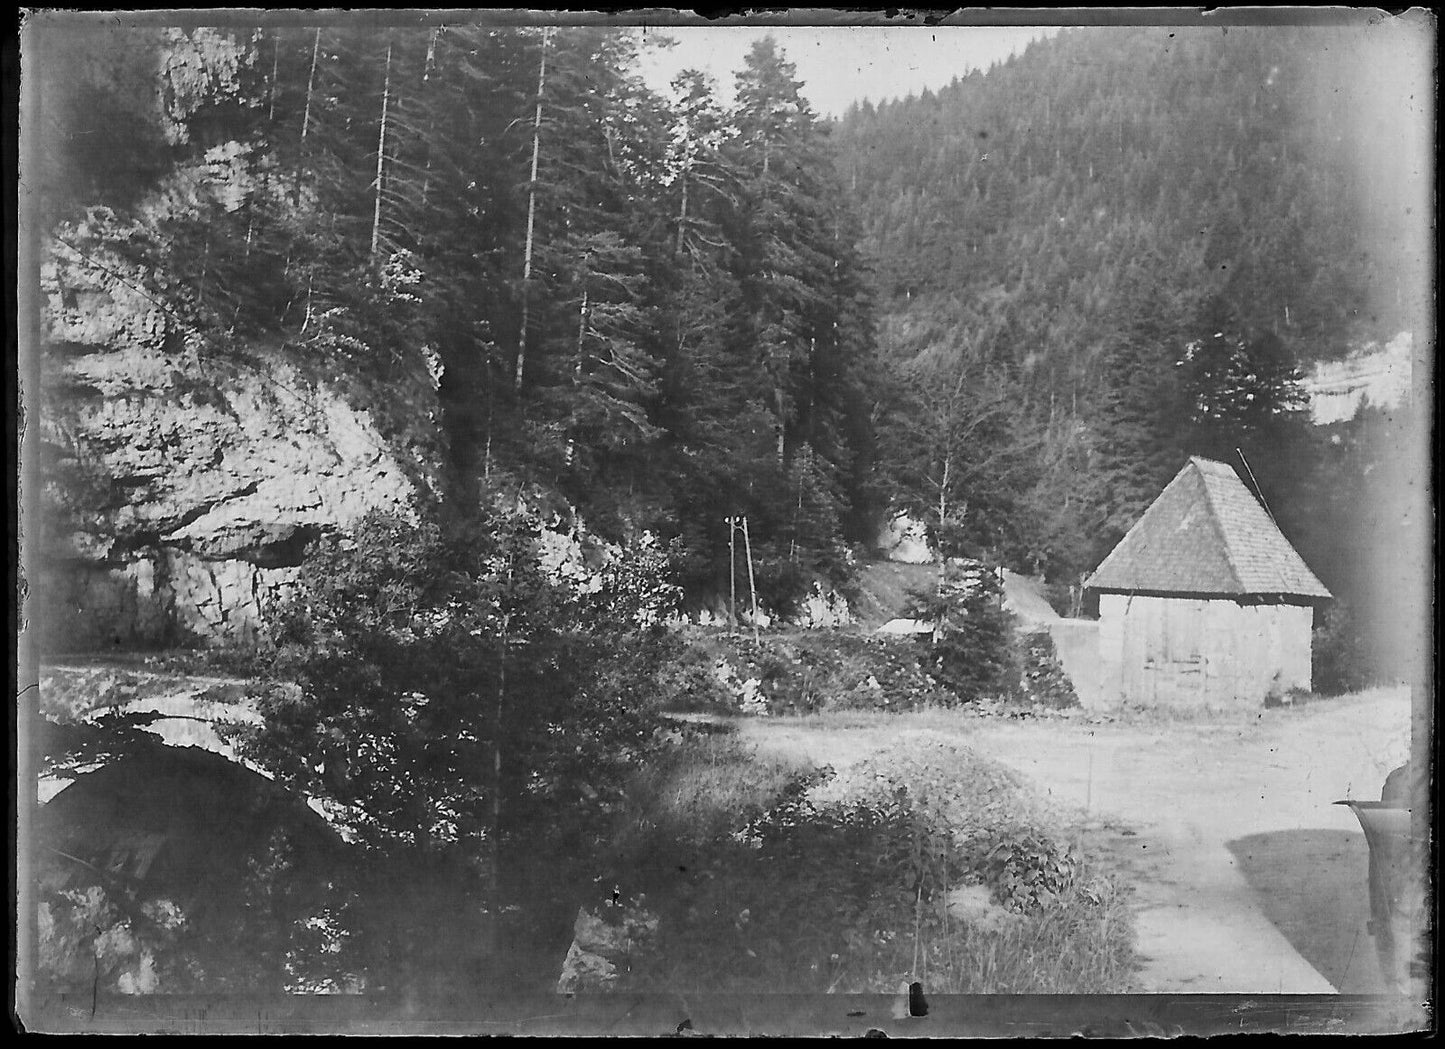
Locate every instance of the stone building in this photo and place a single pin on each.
(1204, 602)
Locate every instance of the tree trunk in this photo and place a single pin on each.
(275, 70)
(682, 212)
(494, 832)
(577, 370)
(531, 217)
(431, 54)
(306, 119)
(782, 425)
(306, 320)
(381, 156)
(310, 84)
(943, 491)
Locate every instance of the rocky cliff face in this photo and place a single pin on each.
(182, 484)
(1381, 376)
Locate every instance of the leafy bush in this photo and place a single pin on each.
(973, 794)
(1081, 943)
(1026, 869)
(1067, 599)
(1044, 681)
(468, 715)
(87, 940)
(694, 680)
(803, 895)
(846, 882)
(815, 670)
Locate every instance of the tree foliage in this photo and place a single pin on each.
(972, 651)
(460, 708)
(1144, 235)
(666, 323)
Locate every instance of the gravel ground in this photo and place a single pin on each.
(1247, 878)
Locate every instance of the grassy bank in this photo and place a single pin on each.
(741, 870)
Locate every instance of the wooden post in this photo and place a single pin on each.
(752, 586)
(733, 573)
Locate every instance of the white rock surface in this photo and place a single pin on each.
(1376, 375)
(822, 609)
(905, 539)
(905, 627)
(183, 480)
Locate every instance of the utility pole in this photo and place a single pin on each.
(733, 574)
(752, 586)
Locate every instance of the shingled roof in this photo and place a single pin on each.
(1206, 534)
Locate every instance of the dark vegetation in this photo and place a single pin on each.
(665, 325)
(466, 720)
(1123, 247)
(850, 889)
(976, 654)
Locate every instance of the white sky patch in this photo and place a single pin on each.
(839, 65)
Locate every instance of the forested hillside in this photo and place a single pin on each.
(645, 310)
(1119, 248)
(1013, 306)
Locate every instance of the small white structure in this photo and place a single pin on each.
(905, 627)
(1204, 601)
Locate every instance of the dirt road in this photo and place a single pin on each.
(1248, 878)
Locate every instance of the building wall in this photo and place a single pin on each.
(1199, 652)
(1076, 641)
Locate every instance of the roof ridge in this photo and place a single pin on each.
(1137, 526)
(1215, 520)
(1206, 532)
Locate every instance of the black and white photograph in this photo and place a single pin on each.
(807, 522)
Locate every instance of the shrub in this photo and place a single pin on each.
(1065, 598)
(782, 584)
(1043, 680)
(694, 680)
(973, 653)
(1026, 869)
(813, 897)
(845, 884)
(816, 670)
(469, 715)
(1081, 943)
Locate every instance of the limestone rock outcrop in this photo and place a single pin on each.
(182, 480)
(904, 539)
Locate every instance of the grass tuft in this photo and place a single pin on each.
(703, 786)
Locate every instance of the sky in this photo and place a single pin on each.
(839, 65)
